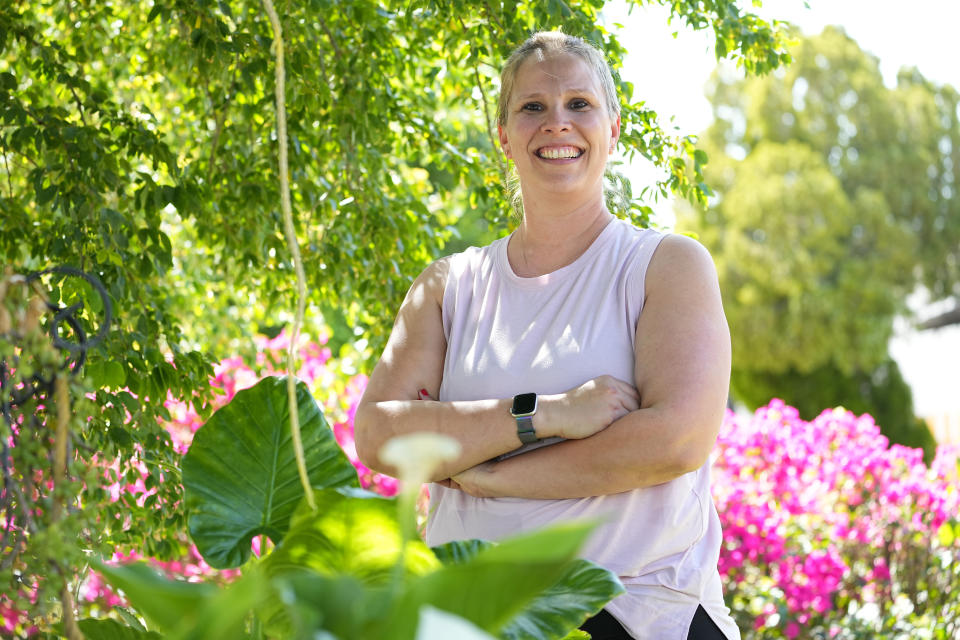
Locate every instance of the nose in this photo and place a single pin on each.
(555, 121)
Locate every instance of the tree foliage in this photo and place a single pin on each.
(836, 197)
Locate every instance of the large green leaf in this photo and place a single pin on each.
(184, 610)
(493, 586)
(224, 616)
(240, 475)
(314, 604)
(352, 532)
(107, 629)
(165, 603)
(351, 541)
(581, 592)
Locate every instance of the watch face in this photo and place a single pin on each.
(524, 404)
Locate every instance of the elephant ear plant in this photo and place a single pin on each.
(353, 566)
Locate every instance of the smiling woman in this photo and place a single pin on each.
(581, 363)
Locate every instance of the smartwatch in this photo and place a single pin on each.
(523, 409)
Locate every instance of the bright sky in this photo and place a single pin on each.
(669, 73)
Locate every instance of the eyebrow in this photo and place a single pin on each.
(531, 96)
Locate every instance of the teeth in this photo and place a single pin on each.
(554, 153)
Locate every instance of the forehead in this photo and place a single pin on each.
(554, 72)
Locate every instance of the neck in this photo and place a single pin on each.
(549, 240)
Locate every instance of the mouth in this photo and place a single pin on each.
(559, 153)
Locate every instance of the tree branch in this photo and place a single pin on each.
(76, 99)
(946, 319)
(62, 401)
(6, 164)
(333, 41)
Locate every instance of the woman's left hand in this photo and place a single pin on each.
(476, 481)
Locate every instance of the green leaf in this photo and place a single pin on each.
(314, 604)
(107, 629)
(493, 587)
(240, 475)
(94, 371)
(224, 616)
(352, 532)
(580, 593)
(165, 603)
(114, 375)
(460, 551)
(186, 610)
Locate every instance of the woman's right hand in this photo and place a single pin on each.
(588, 408)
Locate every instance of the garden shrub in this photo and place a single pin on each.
(831, 532)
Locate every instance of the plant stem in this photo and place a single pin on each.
(62, 401)
(407, 517)
(294, 251)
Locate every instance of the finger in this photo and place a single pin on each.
(627, 388)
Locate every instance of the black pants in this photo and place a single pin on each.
(604, 626)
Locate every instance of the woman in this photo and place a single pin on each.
(582, 363)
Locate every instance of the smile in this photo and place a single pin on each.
(557, 153)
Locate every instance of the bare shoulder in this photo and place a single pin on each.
(428, 287)
(680, 260)
(437, 270)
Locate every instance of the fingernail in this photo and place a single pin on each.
(423, 394)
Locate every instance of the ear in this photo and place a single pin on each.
(504, 143)
(614, 134)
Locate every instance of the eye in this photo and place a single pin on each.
(532, 106)
(579, 103)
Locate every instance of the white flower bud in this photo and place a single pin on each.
(417, 455)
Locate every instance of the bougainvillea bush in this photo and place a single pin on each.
(831, 532)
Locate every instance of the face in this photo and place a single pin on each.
(558, 130)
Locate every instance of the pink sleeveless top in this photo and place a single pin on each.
(508, 335)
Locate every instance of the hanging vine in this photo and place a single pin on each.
(294, 247)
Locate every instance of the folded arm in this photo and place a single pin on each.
(682, 373)
(413, 360)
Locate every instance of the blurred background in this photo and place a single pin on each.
(858, 125)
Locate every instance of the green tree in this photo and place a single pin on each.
(835, 199)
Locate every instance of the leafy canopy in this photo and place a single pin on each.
(836, 198)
